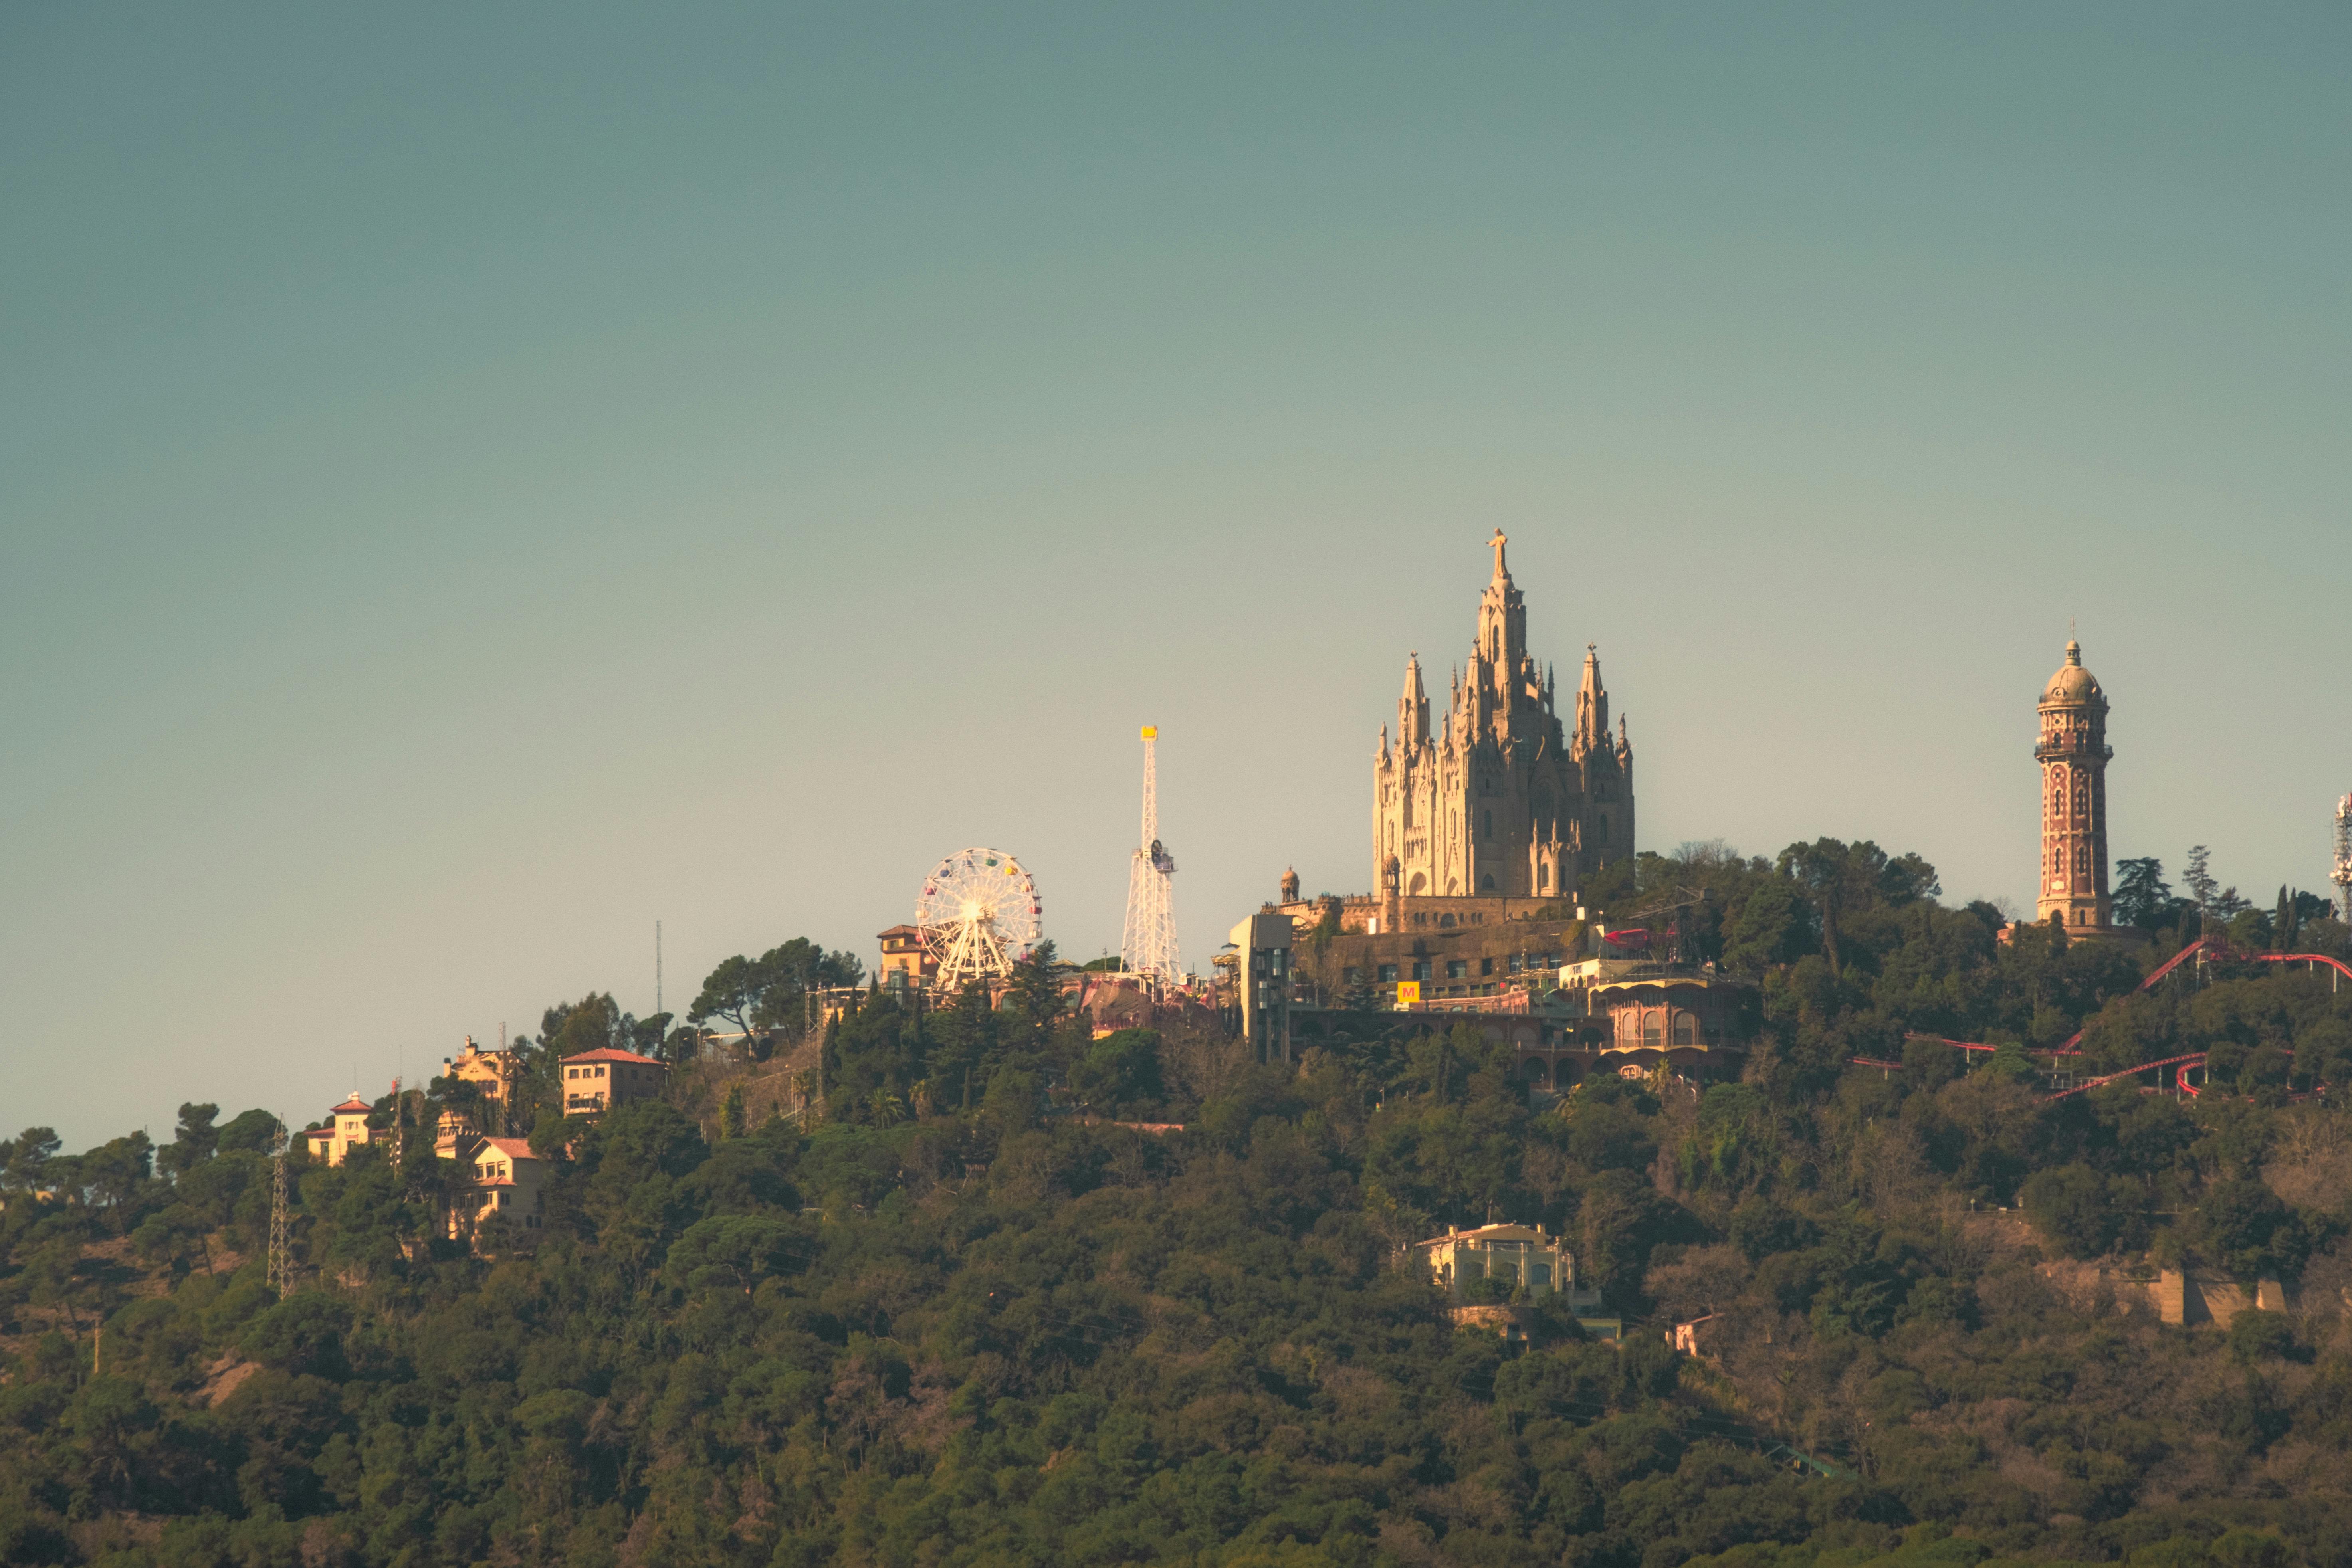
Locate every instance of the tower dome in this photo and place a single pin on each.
(2073, 684)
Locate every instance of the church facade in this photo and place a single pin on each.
(1499, 798)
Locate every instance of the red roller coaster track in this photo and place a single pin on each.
(2213, 946)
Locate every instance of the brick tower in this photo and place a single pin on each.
(2073, 752)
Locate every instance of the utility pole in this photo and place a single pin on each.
(281, 1250)
(658, 978)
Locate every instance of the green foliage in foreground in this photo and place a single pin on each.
(949, 1326)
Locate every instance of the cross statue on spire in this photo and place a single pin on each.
(1495, 544)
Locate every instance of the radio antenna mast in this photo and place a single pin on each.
(1149, 946)
(281, 1230)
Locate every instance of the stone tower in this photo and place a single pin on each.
(1499, 798)
(2073, 751)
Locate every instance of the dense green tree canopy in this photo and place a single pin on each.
(962, 1315)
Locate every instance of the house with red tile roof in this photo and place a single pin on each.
(346, 1129)
(595, 1080)
(503, 1179)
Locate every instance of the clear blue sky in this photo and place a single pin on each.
(476, 480)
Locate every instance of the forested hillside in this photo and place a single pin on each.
(952, 1322)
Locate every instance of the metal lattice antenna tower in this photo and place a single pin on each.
(2342, 874)
(1149, 946)
(281, 1236)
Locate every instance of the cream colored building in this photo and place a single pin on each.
(907, 959)
(493, 1074)
(595, 1080)
(1525, 1258)
(346, 1129)
(506, 1179)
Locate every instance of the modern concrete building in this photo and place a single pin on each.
(1261, 983)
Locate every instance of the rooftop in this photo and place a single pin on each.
(607, 1054)
(1534, 1233)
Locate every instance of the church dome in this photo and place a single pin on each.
(2073, 684)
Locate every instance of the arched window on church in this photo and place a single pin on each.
(1543, 879)
(1486, 823)
(1604, 826)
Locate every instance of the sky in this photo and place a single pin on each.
(476, 482)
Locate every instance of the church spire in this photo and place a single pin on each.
(1412, 708)
(1592, 706)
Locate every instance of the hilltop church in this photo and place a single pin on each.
(1499, 800)
(1494, 811)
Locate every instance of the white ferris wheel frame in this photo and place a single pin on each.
(980, 914)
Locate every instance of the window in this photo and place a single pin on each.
(1351, 976)
(1487, 822)
(1485, 965)
(1543, 879)
(599, 1072)
(1421, 969)
(1457, 968)
(570, 1073)
(1519, 962)
(1539, 1273)
(1388, 974)
(1604, 826)
(1685, 1030)
(1649, 1027)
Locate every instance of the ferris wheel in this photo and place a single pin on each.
(978, 915)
